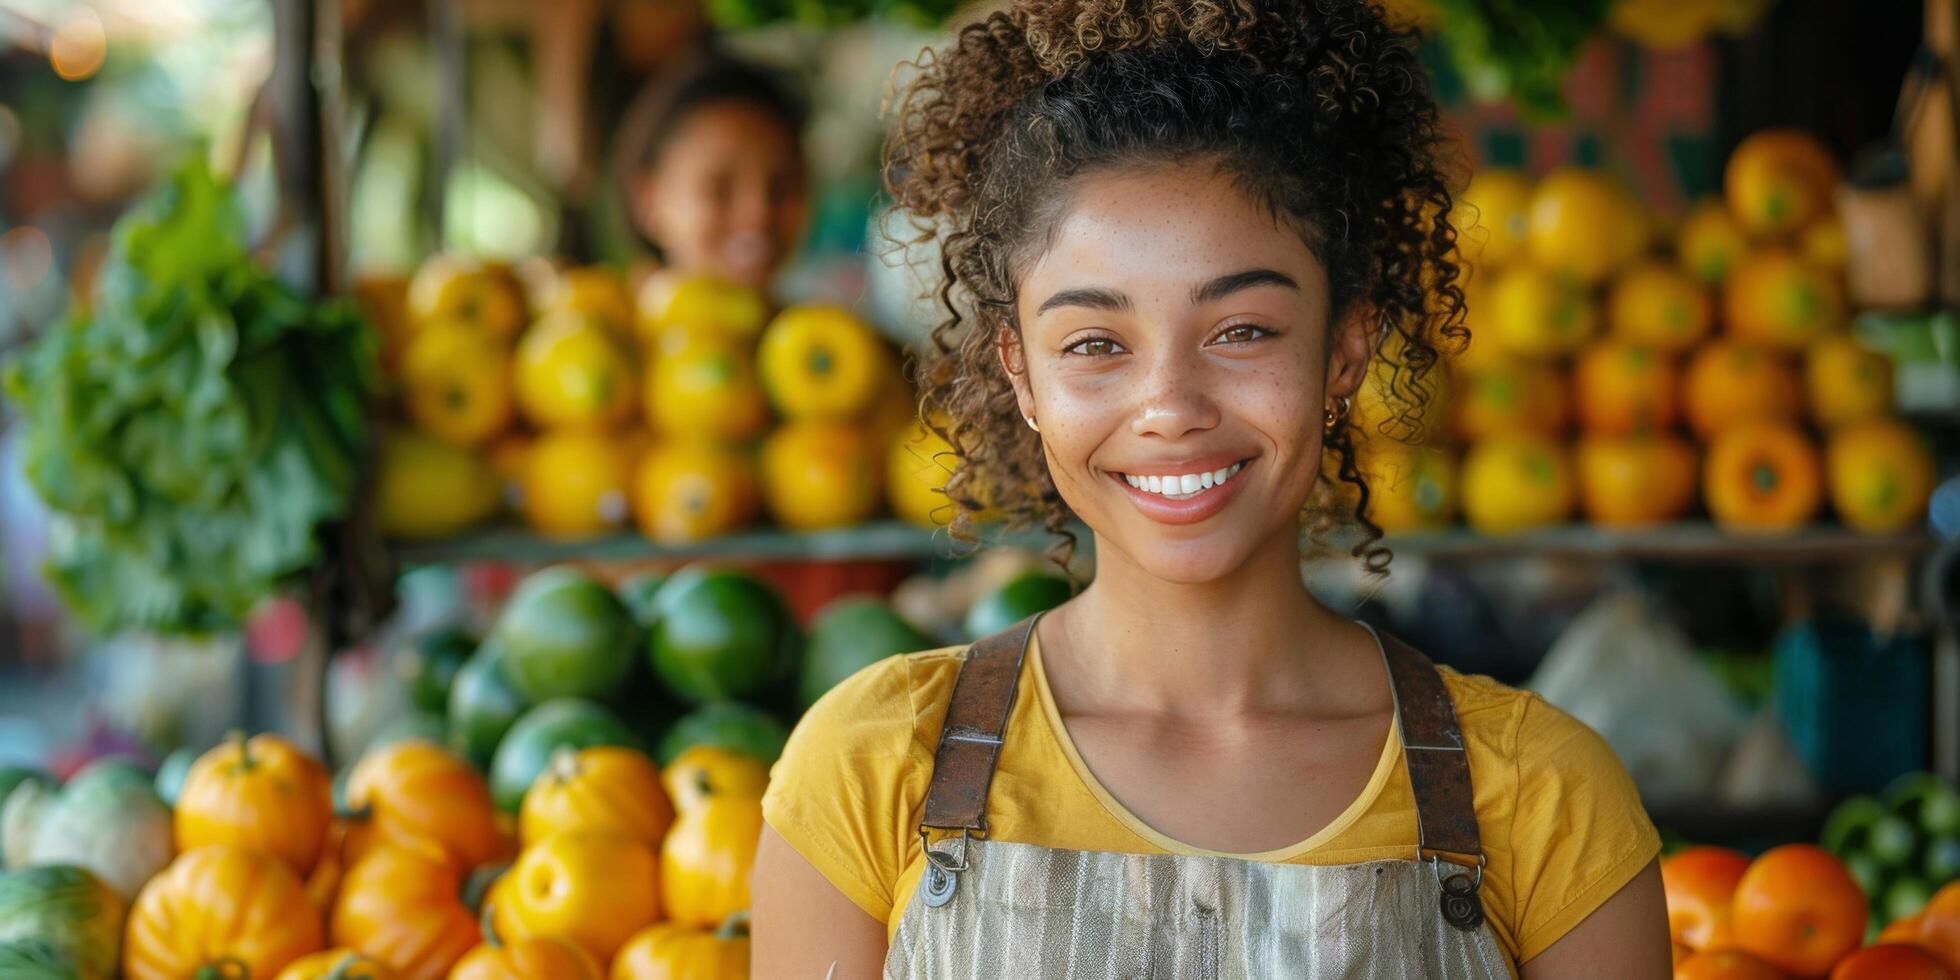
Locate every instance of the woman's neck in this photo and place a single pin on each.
(1256, 640)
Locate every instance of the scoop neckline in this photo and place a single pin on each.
(1057, 729)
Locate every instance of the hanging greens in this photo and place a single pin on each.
(192, 431)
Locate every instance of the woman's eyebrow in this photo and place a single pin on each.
(1094, 298)
(1224, 286)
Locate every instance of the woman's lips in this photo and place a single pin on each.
(1186, 510)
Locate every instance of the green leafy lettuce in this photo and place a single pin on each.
(193, 430)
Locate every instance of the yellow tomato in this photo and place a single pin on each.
(456, 382)
(819, 475)
(571, 372)
(482, 294)
(1881, 474)
(687, 490)
(575, 483)
(592, 887)
(822, 363)
(1661, 306)
(1585, 224)
(1537, 313)
(705, 389)
(1514, 483)
(1494, 225)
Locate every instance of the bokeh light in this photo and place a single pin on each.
(27, 257)
(79, 46)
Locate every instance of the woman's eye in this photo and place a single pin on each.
(1093, 347)
(1242, 333)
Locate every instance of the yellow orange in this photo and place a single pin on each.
(822, 362)
(1635, 481)
(1762, 476)
(575, 483)
(700, 305)
(1492, 218)
(1659, 305)
(1775, 296)
(1846, 381)
(456, 383)
(570, 371)
(1729, 381)
(1514, 483)
(818, 475)
(1778, 181)
(1709, 241)
(1624, 388)
(1880, 473)
(1510, 395)
(686, 490)
(1538, 313)
(482, 294)
(1409, 487)
(593, 290)
(1585, 224)
(705, 389)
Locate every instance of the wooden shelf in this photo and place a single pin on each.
(895, 540)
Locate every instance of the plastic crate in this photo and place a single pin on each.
(1853, 704)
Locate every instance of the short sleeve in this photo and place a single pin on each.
(841, 793)
(1579, 832)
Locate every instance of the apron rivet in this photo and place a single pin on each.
(937, 887)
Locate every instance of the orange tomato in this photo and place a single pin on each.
(1891, 962)
(1846, 381)
(1624, 388)
(1779, 180)
(1509, 395)
(1939, 926)
(537, 958)
(1635, 481)
(1729, 381)
(1761, 476)
(1700, 884)
(1725, 964)
(1798, 909)
(1775, 296)
(1880, 474)
(1661, 305)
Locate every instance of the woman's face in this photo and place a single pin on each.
(1172, 334)
(725, 196)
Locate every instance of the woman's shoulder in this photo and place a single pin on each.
(1519, 725)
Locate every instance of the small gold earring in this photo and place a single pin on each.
(1331, 417)
(1031, 424)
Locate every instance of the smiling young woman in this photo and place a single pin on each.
(1176, 235)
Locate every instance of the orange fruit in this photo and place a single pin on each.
(1635, 481)
(1891, 962)
(1700, 884)
(1585, 224)
(687, 490)
(1409, 487)
(1904, 930)
(705, 389)
(1536, 312)
(456, 383)
(1726, 964)
(1492, 222)
(485, 295)
(1778, 181)
(575, 483)
(699, 306)
(1777, 297)
(1514, 483)
(593, 290)
(1761, 477)
(570, 371)
(1659, 305)
(1846, 381)
(822, 362)
(1709, 242)
(1730, 381)
(1798, 909)
(1624, 388)
(1939, 926)
(1511, 395)
(1824, 244)
(1880, 474)
(818, 475)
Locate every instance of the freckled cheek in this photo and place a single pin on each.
(1077, 416)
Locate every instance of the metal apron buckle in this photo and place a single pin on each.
(942, 875)
(1461, 906)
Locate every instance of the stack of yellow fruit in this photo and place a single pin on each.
(1577, 322)
(662, 408)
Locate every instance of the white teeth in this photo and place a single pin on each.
(1182, 486)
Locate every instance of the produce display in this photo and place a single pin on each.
(1879, 899)
(1635, 378)
(686, 411)
(590, 801)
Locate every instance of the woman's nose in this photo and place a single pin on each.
(1174, 397)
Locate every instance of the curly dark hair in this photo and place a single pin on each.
(1318, 108)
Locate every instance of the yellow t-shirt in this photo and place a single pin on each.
(1562, 825)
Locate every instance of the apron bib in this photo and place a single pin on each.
(986, 909)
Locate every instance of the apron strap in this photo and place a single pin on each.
(976, 721)
(1432, 742)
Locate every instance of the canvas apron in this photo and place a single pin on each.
(985, 909)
